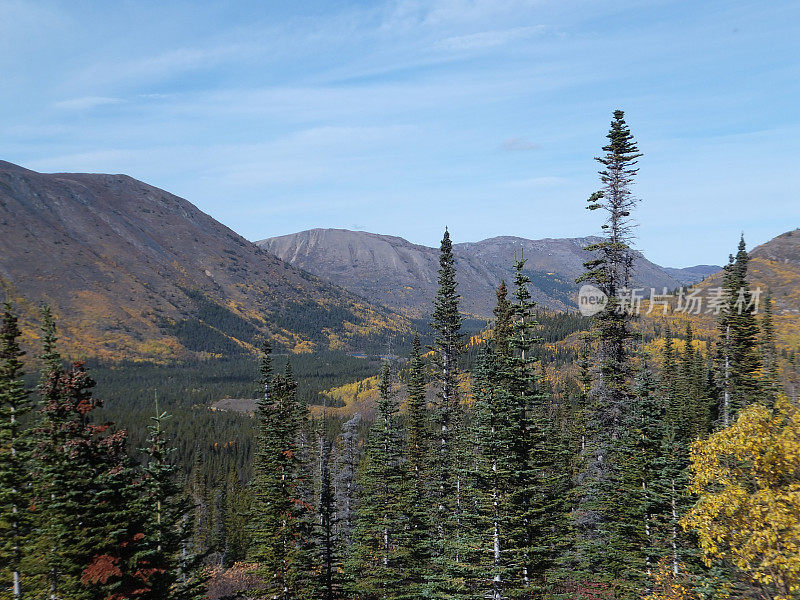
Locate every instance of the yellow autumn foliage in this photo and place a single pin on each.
(747, 478)
(665, 584)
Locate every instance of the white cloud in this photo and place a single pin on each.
(86, 102)
(488, 39)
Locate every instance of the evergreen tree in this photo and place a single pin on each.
(167, 514)
(449, 423)
(524, 438)
(327, 550)
(15, 450)
(420, 528)
(503, 319)
(376, 565)
(279, 516)
(88, 549)
(769, 354)
(346, 484)
(739, 359)
(606, 551)
(489, 485)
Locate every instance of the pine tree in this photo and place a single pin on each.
(279, 516)
(606, 551)
(449, 423)
(376, 565)
(420, 528)
(738, 360)
(769, 354)
(167, 523)
(15, 450)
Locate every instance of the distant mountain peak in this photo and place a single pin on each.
(395, 272)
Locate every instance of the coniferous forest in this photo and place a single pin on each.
(635, 462)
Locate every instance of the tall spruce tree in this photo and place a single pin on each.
(279, 516)
(346, 485)
(418, 466)
(15, 451)
(87, 549)
(606, 551)
(448, 413)
(738, 357)
(488, 422)
(327, 549)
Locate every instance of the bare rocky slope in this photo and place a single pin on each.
(394, 272)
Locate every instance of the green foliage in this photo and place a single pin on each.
(379, 555)
(279, 525)
(738, 357)
(15, 450)
(608, 549)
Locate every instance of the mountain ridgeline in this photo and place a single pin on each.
(396, 273)
(136, 272)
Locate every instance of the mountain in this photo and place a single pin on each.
(396, 273)
(775, 266)
(136, 272)
(692, 275)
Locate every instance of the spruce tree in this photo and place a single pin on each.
(15, 451)
(237, 509)
(376, 565)
(325, 539)
(490, 484)
(769, 354)
(346, 485)
(88, 549)
(501, 330)
(167, 514)
(738, 359)
(448, 419)
(279, 515)
(605, 550)
(418, 510)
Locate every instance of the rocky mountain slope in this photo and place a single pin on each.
(394, 272)
(136, 272)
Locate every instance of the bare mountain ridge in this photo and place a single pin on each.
(134, 271)
(392, 271)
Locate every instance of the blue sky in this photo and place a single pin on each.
(402, 117)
